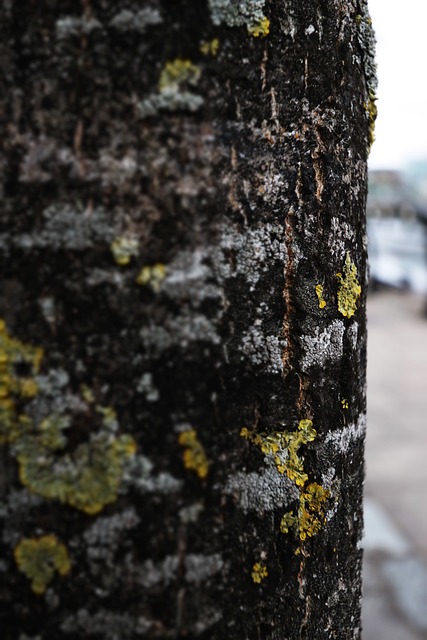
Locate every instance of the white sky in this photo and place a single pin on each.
(401, 128)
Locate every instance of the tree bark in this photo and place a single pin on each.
(183, 343)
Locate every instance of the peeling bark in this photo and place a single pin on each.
(182, 398)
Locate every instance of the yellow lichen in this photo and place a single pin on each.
(152, 276)
(15, 387)
(372, 112)
(87, 394)
(259, 572)
(260, 29)
(124, 248)
(178, 72)
(283, 448)
(89, 477)
(349, 289)
(39, 559)
(311, 512)
(210, 48)
(194, 455)
(344, 403)
(319, 293)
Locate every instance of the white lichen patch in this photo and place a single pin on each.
(353, 333)
(64, 226)
(116, 171)
(324, 346)
(342, 439)
(150, 574)
(147, 388)
(253, 252)
(263, 349)
(191, 514)
(104, 537)
(261, 492)
(341, 236)
(328, 477)
(70, 27)
(187, 267)
(126, 20)
(198, 568)
(237, 13)
(197, 276)
(106, 624)
(139, 475)
(180, 331)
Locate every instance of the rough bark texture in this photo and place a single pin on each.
(182, 370)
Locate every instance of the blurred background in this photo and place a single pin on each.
(395, 563)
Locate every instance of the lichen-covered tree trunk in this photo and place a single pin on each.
(182, 333)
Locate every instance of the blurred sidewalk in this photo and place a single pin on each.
(395, 565)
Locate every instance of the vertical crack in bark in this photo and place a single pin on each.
(287, 293)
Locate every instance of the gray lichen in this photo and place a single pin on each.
(64, 226)
(104, 537)
(69, 27)
(198, 568)
(146, 387)
(106, 624)
(324, 346)
(254, 252)
(127, 20)
(170, 100)
(236, 13)
(262, 349)
(139, 475)
(367, 42)
(342, 440)
(261, 492)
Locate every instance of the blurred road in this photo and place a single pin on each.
(395, 566)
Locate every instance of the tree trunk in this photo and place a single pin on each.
(182, 344)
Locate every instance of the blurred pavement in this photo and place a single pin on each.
(395, 565)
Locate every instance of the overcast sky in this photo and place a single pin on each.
(401, 129)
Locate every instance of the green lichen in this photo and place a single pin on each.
(152, 276)
(283, 448)
(124, 248)
(319, 293)
(349, 289)
(259, 572)
(194, 455)
(39, 559)
(86, 478)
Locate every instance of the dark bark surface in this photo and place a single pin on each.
(182, 350)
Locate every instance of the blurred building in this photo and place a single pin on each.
(388, 196)
(397, 230)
